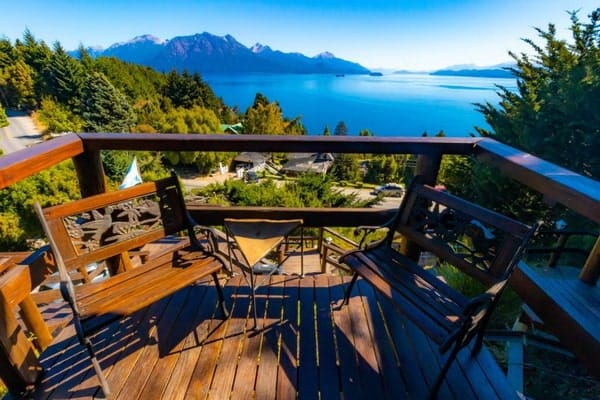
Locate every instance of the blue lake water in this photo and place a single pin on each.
(389, 105)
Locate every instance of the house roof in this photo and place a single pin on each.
(251, 157)
(236, 129)
(308, 162)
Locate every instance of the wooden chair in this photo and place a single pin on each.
(255, 239)
(477, 241)
(106, 228)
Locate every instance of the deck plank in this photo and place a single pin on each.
(266, 374)
(147, 362)
(171, 344)
(227, 367)
(366, 349)
(203, 322)
(246, 364)
(393, 380)
(308, 379)
(348, 359)
(287, 373)
(414, 374)
(329, 387)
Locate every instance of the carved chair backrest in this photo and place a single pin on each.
(480, 242)
(96, 228)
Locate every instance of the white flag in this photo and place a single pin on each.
(132, 177)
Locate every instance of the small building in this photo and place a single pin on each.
(250, 161)
(299, 163)
(235, 129)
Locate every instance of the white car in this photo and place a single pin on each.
(389, 190)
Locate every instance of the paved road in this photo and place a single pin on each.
(365, 194)
(20, 132)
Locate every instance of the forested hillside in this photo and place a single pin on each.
(85, 94)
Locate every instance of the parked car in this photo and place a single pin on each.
(250, 176)
(389, 190)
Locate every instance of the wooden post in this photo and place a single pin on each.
(320, 241)
(591, 270)
(15, 289)
(90, 173)
(324, 259)
(560, 246)
(19, 366)
(428, 167)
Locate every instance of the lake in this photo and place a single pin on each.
(389, 105)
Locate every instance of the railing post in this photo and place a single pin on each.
(324, 259)
(320, 242)
(90, 173)
(591, 270)
(428, 167)
(19, 366)
(560, 246)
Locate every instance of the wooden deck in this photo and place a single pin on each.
(568, 307)
(305, 347)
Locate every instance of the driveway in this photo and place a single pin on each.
(20, 133)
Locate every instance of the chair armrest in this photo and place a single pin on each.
(368, 229)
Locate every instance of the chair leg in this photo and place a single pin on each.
(253, 294)
(478, 342)
(440, 378)
(220, 294)
(103, 382)
(349, 289)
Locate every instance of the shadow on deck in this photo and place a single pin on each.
(305, 346)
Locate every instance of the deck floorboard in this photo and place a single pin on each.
(305, 346)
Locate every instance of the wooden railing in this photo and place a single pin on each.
(557, 184)
(331, 246)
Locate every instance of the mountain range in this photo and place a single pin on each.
(208, 53)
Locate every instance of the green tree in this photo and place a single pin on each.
(18, 221)
(58, 117)
(18, 89)
(104, 108)
(3, 118)
(37, 56)
(326, 131)
(346, 167)
(197, 120)
(340, 129)
(555, 114)
(264, 119)
(188, 90)
(64, 77)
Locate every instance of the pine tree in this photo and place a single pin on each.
(3, 118)
(341, 129)
(64, 76)
(104, 108)
(555, 114)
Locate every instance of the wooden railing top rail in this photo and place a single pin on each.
(558, 184)
(276, 143)
(21, 164)
(313, 217)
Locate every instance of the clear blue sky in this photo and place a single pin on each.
(396, 34)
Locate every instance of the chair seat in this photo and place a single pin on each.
(135, 289)
(418, 294)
